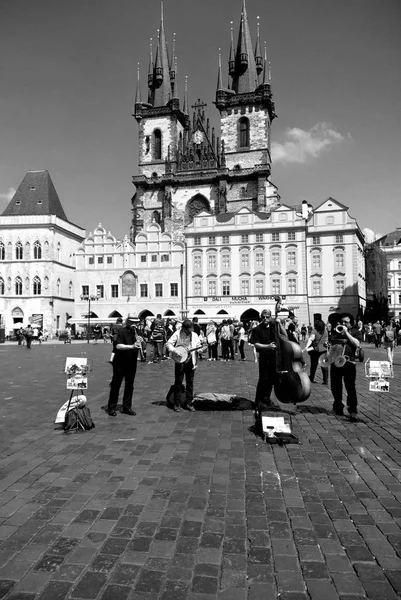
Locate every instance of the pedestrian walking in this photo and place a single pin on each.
(317, 345)
(388, 340)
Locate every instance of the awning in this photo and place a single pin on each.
(93, 321)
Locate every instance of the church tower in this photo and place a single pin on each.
(184, 167)
(247, 110)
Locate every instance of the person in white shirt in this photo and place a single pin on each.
(184, 337)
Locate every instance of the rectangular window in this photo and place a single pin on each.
(159, 290)
(211, 261)
(259, 238)
(245, 260)
(144, 290)
(225, 261)
(259, 287)
(174, 289)
(109, 260)
(291, 236)
(100, 291)
(340, 286)
(114, 291)
(198, 287)
(339, 239)
(212, 288)
(275, 237)
(316, 240)
(316, 288)
(399, 282)
(100, 260)
(276, 286)
(339, 259)
(275, 259)
(245, 287)
(212, 240)
(225, 287)
(316, 261)
(399, 298)
(244, 238)
(143, 258)
(154, 258)
(197, 262)
(292, 258)
(165, 258)
(225, 239)
(259, 259)
(197, 241)
(91, 260)
(292, 286)
(85, 290)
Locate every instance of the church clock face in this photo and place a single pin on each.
(198, 137)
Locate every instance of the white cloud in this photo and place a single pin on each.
(300, 145)
(5, 198)
(370, 235)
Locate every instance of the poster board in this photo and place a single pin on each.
(77, 371)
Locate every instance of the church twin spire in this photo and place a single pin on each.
(245, 64)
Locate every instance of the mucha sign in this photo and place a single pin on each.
(128, 284)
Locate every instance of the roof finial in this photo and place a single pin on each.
(172, 54)
(258, 51)
(185, 106)
(219, 74)
(138, 97)
(231, 60)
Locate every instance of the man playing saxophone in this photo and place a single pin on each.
(343, 368)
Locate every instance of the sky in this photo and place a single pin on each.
(68, 78)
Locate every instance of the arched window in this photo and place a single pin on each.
(18, 286)
(37, 286)
(37, 250)
(58, 251)
(71, 289)
(2, 287)
(157, 135)
(58, 287)
(244, 132)
(19, 251)
(2, 251)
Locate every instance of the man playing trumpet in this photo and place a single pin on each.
(343, 367)
(187, 339)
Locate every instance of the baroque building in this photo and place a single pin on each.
(390, 244)
(37, 263)
(120, 276)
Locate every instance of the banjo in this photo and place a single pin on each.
(180, 354)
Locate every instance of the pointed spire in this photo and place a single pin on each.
(138, 97)
(258, 51)
(219, 74)
(245, 76)
(265, 71)
(161, 85)
(150, 69)
(231, 60)
(172, 54)
(185, 107)
(174, 84)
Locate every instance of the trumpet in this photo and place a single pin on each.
(341, 328)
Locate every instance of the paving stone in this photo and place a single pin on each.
(89, 586)
(55, 590)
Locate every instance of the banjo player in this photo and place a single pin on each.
(187, 340)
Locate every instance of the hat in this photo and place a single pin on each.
(132, 317)
(187, 323)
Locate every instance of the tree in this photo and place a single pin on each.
(376, 283)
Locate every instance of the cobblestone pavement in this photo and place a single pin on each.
(176, 506)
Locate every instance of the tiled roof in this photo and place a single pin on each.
(36, 195)
(391, 239)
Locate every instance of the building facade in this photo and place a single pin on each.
(37, 257)
(391, 246)
(121, 277)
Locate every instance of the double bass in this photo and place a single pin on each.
(292, 384)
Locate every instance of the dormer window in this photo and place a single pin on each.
(243, 126)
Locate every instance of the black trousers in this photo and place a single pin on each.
(182, 370)
(347, 373)
(241, 345)
(127, 373)
(267, 378)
